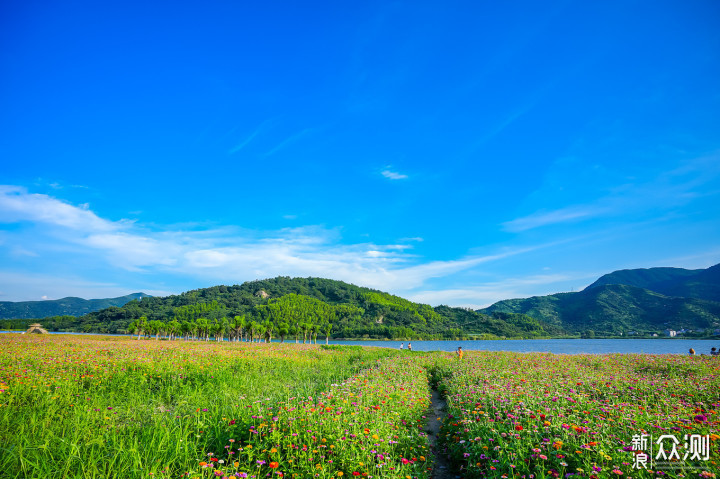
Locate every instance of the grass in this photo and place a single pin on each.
(108, 407)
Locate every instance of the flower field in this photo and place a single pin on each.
(99, 407)
(543, 415)
(116, 407)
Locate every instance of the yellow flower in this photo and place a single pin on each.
(340, 474)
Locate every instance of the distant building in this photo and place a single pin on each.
(36, 328)
(670, 333)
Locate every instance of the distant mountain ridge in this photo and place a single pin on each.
(626, 302)
(633, 300)
(285, 305)
(687, 283)
(69, 306)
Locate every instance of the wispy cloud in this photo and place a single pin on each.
(393, 175)
(23, 286)
(482, 296)
(221, 255)
(247, 140)
(668, 189)
(289, 140)
(545, 218)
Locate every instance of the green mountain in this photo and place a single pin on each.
(698, 283)
(645, 301)
(639, 300)
(288, 306)
(57, 307)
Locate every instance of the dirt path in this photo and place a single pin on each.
(437, 413)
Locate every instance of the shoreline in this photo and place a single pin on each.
(544, 338)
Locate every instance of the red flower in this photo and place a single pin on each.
(232, 422)
(518, 427)
(274, 465)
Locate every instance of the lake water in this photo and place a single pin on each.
(561, 346)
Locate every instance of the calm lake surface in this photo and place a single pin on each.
(559, 346)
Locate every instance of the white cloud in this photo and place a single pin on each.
(227, 255)
(482, 296)
(17, 205)
(393, 175)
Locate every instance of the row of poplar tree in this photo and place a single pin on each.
(291, 315)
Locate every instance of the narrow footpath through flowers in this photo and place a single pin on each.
(437, 411)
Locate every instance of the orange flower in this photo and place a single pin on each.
(274, 465)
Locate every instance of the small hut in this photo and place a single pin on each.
(37, 329)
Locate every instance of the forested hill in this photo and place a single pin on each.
(285, 307)
(66, 306)
(678, 282)
(634, 301)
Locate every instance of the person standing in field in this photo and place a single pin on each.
(410, 347)
(401, 346)
(459, 352)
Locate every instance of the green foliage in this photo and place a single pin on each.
(303, 308)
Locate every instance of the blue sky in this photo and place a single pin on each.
(450, 152)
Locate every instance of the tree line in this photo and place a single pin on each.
(301, 308)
